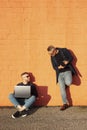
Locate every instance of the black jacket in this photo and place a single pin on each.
(66, 56)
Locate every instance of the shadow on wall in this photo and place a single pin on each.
(77, 77)
(43, 97)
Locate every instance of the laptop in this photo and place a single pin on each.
(22, 91)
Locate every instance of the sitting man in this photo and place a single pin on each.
(22, 104)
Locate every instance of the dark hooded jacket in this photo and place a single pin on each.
(66, 55)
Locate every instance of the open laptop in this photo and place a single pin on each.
(22, 91)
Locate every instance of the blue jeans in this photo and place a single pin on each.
(65, 78)
(26, 102)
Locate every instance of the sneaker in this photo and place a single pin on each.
(16, 115)
(65, 106)
(24, 113)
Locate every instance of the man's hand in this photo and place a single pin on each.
(65, 62)
(60, 67)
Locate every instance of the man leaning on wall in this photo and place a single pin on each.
(61, 60)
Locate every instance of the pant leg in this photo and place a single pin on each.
(68, 78)
(14, 100)
(29, 101)
(62, 87)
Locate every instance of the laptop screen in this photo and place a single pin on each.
(22, 91)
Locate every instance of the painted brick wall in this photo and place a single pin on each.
(27, 27)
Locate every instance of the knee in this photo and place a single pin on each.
(68, 83)
(34, 98)
(10, 95)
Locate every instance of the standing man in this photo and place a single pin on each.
(61, 60)
(22, 104)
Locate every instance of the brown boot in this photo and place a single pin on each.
(65, 106)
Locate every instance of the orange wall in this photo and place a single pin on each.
(27, 27)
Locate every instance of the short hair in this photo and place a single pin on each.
(50, 48)
(24, 73)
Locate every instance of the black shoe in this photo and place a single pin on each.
(16, 115)
(24, 113)
(65, 106)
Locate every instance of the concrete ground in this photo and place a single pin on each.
(45, 118)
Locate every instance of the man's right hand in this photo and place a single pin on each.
(60, 67)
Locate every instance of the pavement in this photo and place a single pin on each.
(45, 118)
